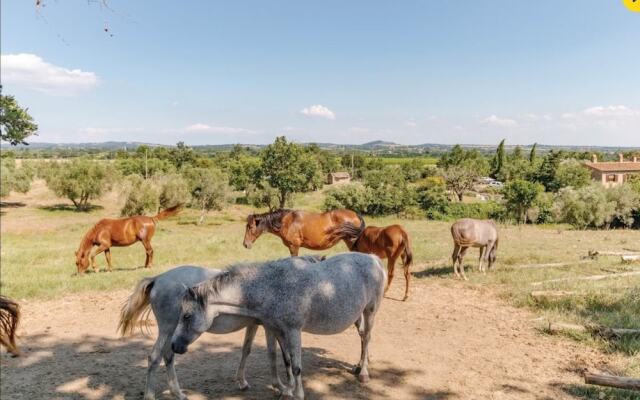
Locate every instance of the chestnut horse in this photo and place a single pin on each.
(390, 242)
(119, 232)
(300, 228)
(9, 318)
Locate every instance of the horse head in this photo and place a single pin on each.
(82, 260)
(193, 322)
(254, 229)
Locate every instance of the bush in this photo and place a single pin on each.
(432, 198)
(79, 181)
(263, 195)
(174, 189)
(484, 210)
(571, 173)
(352, 196)
(583, 208)
(627, 202)
(141, 196)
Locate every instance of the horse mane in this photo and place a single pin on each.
(88, 236)
(273, 219)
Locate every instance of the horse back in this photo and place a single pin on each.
(312, 229)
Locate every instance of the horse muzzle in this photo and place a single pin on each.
(178, 348)
(247, 245)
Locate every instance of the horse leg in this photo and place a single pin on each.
(249, 335)
(293, 250)
(454, 257)
(482, 251)
(286, 357)
(154, 361)
(360, 327)
(365, 336)
(407, 277)
(294, 347)
(172, 378)
(107, 255)
(461, 254)
(271, 351)
(391, 266)
(147, 247)
(100, 249)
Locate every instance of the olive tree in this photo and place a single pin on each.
(209, 189)
(79, 180)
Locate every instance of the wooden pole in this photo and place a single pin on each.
(589, 278)
(620, 382)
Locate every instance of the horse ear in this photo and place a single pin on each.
(191, 293)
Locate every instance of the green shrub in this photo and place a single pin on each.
(483, 210)
(80, 180)
(583, 208)
(432, 197)
(350, 196)
(141, 196)
(13, 178)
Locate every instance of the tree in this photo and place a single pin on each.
(15, 122)
(533, 154)
(174, 189)
(140, 196)
(286, 168)
(432, 198)
(13, 178)
(520, 196)
(587, 207)
(571, 173)
(79, 180)
(498, 161)
(243, 171)
(460, 178)
(352, 196)
(209, 189)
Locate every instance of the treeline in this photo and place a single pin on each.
(531, 188)
(555, 188)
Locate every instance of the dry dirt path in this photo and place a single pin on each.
(448, 341)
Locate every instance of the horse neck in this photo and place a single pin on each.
(87, 240)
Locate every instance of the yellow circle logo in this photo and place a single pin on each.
(632, 5)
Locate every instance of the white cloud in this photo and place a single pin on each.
(500, 122)
(411, 124)
(33, 72)
(204, 128)
(611, 111)
(318, 111)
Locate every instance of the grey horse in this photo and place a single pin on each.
(163, 293)
(321, 298)
(469, 232)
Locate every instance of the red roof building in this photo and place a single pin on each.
(613, 173)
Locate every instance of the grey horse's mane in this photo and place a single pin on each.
(215, 285)
(272, 220)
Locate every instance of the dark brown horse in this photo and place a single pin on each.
(390, 242)
(9, 318)
(300, 228)
(119, 232)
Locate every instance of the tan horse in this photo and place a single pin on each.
(390, 242)
(299, 228)
(469, 232)
(9, 318)
(120, 233)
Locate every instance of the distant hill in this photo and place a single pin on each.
(380, 147)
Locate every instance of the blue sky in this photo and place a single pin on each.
(210, 72)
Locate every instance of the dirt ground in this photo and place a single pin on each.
(448, 341)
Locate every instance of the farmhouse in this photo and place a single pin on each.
(338, 177)
(613, 173)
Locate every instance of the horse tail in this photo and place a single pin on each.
(168, 212)
(137, 307)
(407, 254)
(9, 318)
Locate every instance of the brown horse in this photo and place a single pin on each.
(390, 242)
(9, 318)
(299, 228)
(119, 232)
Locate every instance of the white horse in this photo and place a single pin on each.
(289, 297)
(164, 293)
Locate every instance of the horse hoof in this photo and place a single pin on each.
(405, 298)
(356, 370)
(286, 397)
(243, 386)
(364, 378)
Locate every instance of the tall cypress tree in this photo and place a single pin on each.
(498, 160)
(533, 155)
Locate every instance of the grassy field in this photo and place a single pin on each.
(39, 238)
